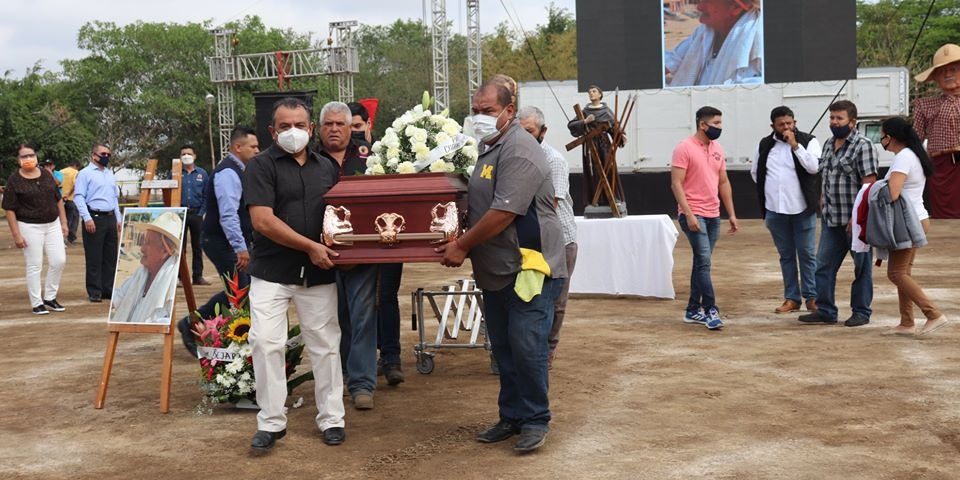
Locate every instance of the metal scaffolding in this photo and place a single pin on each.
(474, 49)
(338, 58)
(438, 30)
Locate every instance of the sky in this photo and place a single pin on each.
(46, 30)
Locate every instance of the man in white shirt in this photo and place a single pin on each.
(788, 187)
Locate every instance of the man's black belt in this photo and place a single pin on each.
(98, 213)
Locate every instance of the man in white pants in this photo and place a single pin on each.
(284, 188)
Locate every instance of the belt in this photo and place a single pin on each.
(98, 213)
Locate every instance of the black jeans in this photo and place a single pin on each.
(195, 229)
(73, 219)
(221, 254)
(388, 313)
(100, 250)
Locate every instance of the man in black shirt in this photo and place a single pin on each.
(283, 189)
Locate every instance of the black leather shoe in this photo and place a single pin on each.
(530, 440)
(856, 320)
(393, 373)
(263, 440)
(187, 336)
(815, 317)
(95, 299)
(498, 433)
(334, 435)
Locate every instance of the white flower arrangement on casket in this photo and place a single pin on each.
(420, 141)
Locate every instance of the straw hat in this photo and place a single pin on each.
(167, 224)
(945, 55)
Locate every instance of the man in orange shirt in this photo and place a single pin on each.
(699, 182)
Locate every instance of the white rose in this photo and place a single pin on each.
(420, 135)
(406, 167)
(470, 151)
(451, 167)
(470, 169)
(374, 160)
(438, 120)
(393, 152)
(377, 169)
(438, 166)
(391, 141)
(421, 150)
(405, 119)
(377, 147)
(418, 109)
(397, 124)
(393, 162)
(442, 138)
(451, 127)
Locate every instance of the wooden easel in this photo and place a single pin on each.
(171, 198)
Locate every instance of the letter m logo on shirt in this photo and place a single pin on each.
(487, 172)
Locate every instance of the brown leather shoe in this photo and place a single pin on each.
(811, 305)
(787, 307)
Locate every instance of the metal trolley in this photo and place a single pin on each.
(462, 311)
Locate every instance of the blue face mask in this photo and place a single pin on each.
(713, 133)
(840, 132)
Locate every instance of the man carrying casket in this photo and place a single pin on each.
(516, 248)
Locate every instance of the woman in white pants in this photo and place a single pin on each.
(37, 220)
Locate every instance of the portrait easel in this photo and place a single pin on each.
(171, 198)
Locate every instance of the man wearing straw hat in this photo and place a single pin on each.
(146, 297)
(937, 120)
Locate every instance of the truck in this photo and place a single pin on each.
(663, 118)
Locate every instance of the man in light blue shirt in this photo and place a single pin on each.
(226, 227)
(96, 196)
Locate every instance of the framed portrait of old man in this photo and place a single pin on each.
(148, 267)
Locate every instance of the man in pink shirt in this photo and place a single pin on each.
(699, 181)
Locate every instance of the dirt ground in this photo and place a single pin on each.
(636, 394)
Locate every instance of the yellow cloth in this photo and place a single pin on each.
(533, 270)
(69, 180)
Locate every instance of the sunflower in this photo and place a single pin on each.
(238, 329)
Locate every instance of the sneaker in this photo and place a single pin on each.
(363, 400)
(695, 317)
(53, 305)
(40, 310)
(713, 319)
(933, 325)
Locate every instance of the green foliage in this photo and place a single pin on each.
(887, 28)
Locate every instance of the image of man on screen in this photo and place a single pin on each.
(146, 296)
(726, 49)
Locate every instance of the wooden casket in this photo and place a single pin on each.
(393, 218)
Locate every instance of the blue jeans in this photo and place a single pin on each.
(795, 237)
(702, 243)
(834, 247)
(388, 313)
(356, 292)
(519, 333)
(224, 259)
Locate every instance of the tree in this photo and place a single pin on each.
(887, 28)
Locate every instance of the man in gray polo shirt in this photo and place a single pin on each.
(516, 248)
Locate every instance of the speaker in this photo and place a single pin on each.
(263, 103)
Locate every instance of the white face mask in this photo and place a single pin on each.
(485, 126)
(293, 140)
(187, 159)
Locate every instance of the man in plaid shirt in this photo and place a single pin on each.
(531, 119)
(848, 161)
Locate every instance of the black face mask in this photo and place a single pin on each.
(359, 136)
(713, 133)
(840, 132)
(104, 160)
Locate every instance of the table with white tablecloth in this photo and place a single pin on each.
(625, 256)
